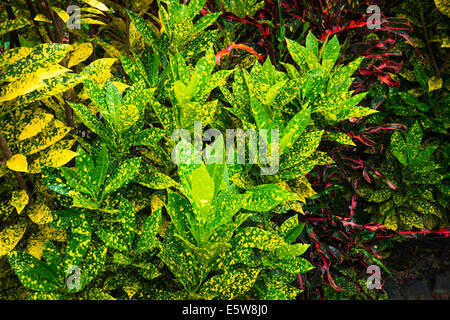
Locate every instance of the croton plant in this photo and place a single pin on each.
(99, 201)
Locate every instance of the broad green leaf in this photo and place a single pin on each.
(32, 273)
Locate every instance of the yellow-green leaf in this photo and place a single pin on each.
(61, 13)
(81, 51)
(19, 200)
(10, 25)
(18, 162)
(96, 4)
(40, 214)
(36, 125)
(10, 236)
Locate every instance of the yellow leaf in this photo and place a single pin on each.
(121, 86)
(35, 245)
(10, 236)
(434, 83)
(61, 13)
(96, 4)
(53, 234)
(40, 17)
(35, 126)
(55, 158)
(81, 52)
(92, 10)
(18, 162)
(19, 200)
(99, 70)
(92, 21)
(40, 214)
(21, 87)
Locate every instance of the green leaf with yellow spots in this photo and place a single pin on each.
(152, 225)
(294, 129)
(399, 148)
(76, 248)
(53, 259)
(10, 25)
(266, 197)
(229, 285)
(92, 264)
(303, 57)
(33, 273)
(339, 137)
(127, 170)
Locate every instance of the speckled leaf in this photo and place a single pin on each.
(229, 284)
(148, 237)
(381, 195)
(32, 273)
(123, 174)
(302, 57)
(41, 59)
(55, 181)
(399, 148)
(19, 200)
(92, 264)
(155, 180)
(290, 230)
(77, 246)
(40, 213)
(146, 31)
(10, 25)
(43, 140)
(413, 141)
(302, 149)
(330, 53)
(36, 125)
(98, 70)
(295, 266)
(266, 197)
(180, 212)
(53, 260)
(81, 51)
(294, 129)
(252, 237)
(89, 119)
(10, 236)
(339, 137)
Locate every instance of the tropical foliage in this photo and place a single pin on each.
(104, 195)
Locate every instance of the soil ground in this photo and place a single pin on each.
(420, 270)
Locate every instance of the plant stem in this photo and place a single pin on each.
(427, 40)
